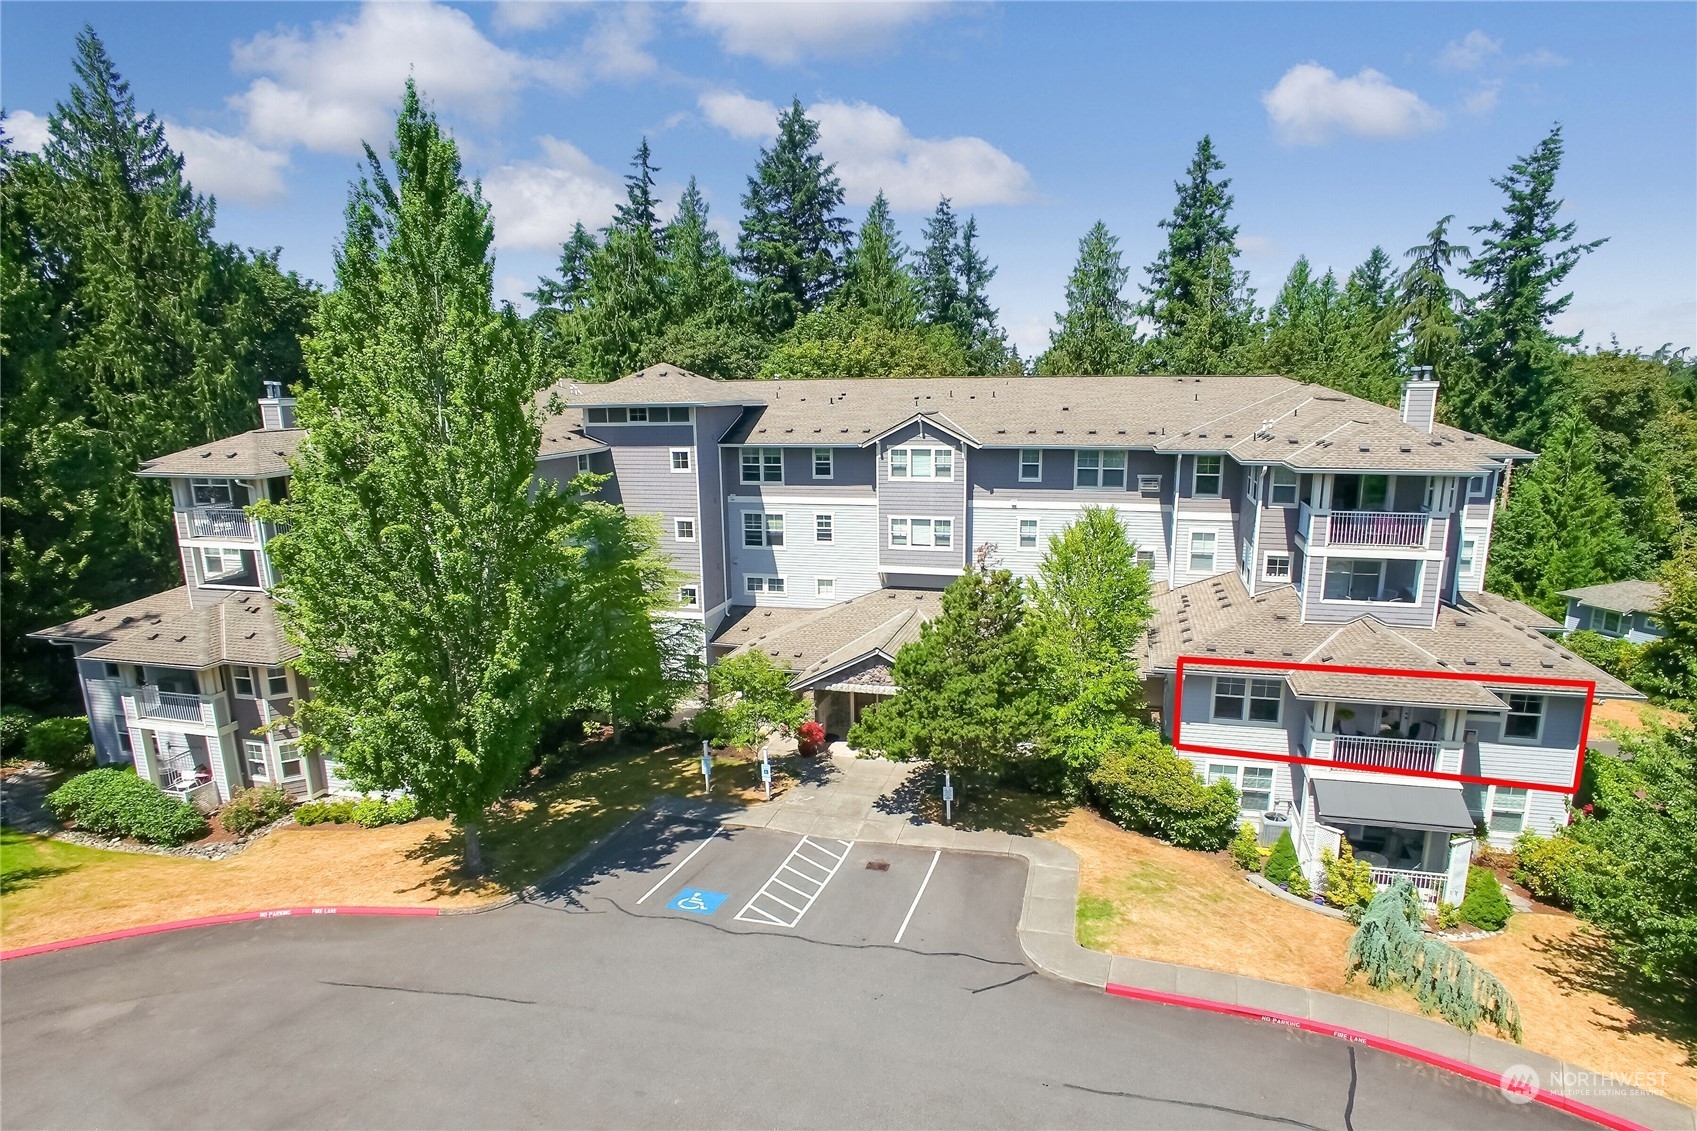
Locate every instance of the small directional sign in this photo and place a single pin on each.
(694, 901)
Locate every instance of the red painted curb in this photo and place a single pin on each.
(1354, 1036)
(212, 921)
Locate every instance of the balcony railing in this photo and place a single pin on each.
(153, 703)
(1385, 753)
(1430, 885)
(220, 522)
(1377, 528)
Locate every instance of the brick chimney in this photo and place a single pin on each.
(277, 412)
(1420, 399)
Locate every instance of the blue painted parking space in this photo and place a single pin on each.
(694, 901)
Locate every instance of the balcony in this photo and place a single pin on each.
(1401, 529)
(1385, 753)
(174, 706)
(220, 522)
(1430, 885)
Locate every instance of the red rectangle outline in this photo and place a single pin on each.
(1589, 685)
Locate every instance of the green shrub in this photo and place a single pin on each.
(402, 809)
(62, 744)
(1449, 915)
(1298, 885)
(1349, 882)
(1485, 905)
(1246, 852)
(370, 812)
(1147, 787)
(1282, 864)
(1555, 867)
(748, 691)
(251, 808)
(339, 811)
(14, 730)
(115, 802)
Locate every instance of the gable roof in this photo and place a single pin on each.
(1620, 596)
(814, 643)
(259, 454)
(240, 628)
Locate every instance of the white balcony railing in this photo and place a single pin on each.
(1377, 528)
(1385, 753)
(152, 703)
(1430, 885)
(219, 522)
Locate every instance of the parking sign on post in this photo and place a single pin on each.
(766, 770)
(948, 798)
(706, 768)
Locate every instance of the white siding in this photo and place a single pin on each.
(1225, 546)
(851, 557)
(1000, 524)
(1238, 736)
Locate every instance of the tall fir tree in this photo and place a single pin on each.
(640, 209)
(939, 268)
(876, 276)
(1424, 311)
(1200, 305)
(98, 135)
(1512, 385)
(627, 304)
(986, 343)
(710, 328)
(792, 235)
(1372, 361)
(1094, 335)
(564, 290)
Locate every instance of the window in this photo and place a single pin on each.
(582, 463)
(604, 416)
(289, 758)
(1202, 551)
(898, 532)
(1606, 621)
(1149, 484)
(1205, 480)
(1220, 771)
(1476, 487)
(762, 529)
(1361, 492)
(680, 459)
(112, 671)
(210, 492)
(1265, 698)
(638, 414)
(1353, 579)
(755, 583)
(825, 587)
(683, 529)
(762, 465)
(922, 463)
(254, 754)
(1030, 465)
(1146, 558)
(1276, 567)
(1508, 810)
(1028, 534)
(242, 680)
(925, 533)
(824, 463)
(1464, 564)
(276, 683)
(1525, 717)
(1229, 697)
(1255, 795)
(220, 565)
(689, 596)
(1099, 469)
(1283, 493)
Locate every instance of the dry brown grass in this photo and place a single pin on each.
(1632, 714)
(1146, 899)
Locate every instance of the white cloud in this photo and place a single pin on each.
(338, 84)
(1483, 100)
(536, 202)
(27, 130)
(874, 150)
(1543, 57)
(783, 34)
(227, 167)
(1470, 52)
(616, 46)
(528, 15)
(1311, 104)
(1258, 247)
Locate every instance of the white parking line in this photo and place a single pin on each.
(673, 869)
(918, 895)
(752, 912)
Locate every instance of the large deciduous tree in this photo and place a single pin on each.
(446, 604)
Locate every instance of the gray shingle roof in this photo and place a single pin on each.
(259, 454)
(1620, 596)
(163, 629)
(1514, 611)
(814, 642)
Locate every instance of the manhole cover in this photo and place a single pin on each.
(877, 865)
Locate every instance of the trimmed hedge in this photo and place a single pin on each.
(338, 812)
(367, 812)
(1149, 788)
(60, 744)
(115, 802)
(252, 808)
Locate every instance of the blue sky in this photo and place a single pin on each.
(1342, 125)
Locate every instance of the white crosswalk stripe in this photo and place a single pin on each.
(770, 907)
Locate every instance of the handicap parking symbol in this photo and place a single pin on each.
(697, 902)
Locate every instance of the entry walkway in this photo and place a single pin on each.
(837, 797)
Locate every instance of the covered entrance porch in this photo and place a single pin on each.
(1415, 831)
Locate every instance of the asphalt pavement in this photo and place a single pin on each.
(686, 976)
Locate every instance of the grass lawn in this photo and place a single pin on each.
(54, 890)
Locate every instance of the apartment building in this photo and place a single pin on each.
(1296, 536)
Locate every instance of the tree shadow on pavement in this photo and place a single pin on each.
(979, 806)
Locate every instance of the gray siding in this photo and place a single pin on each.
(642, 464)
(105, 712)
(853, 474)
(710, 424)
(850, 559)
(925, 498)
(1420, 614)
(995, 475)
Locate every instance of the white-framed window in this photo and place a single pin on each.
(1372, 579)
(1606, 621)
(1254, 784)
(1146, 558)
(253, 753)
(1525, 722)
(1508, 810)
(1284, 487)
(1469, 547)
(583, 463)
(763, 465)
(289, 761)
(1230, 693)
(825, 587)
(923, 533)
(637, 414)
(1149, 484)
(683, 529)
(757, 583)
(1205, 479)
(824, 463)
(1275, 567)
(689, 596)
(1028, 534)
(762, 529)
(1266, 698)
(211, 492)
(1476, 487)
(241, 681)
(922, 463)
(1097, 468)
(1237, 699)
(1030, 465)
(220, 565)
(824, 527)
(111, 670)
(1202, 551)
(276, 683)
(680, 459)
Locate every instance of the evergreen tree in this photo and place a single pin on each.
(987, 349)
(98, 135)
(445, 606)
(1424, 310)
(1201, 306)
(844, 340)
(968, 697)
(626, 308)
(1513, 383)
(1372, 363)
(710, 329)
(639, 211)
(1561, 528)
(1304, 336)
(791, 232)
(939, 269)
(1093, 336)
(876, 278)
(562, 295)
